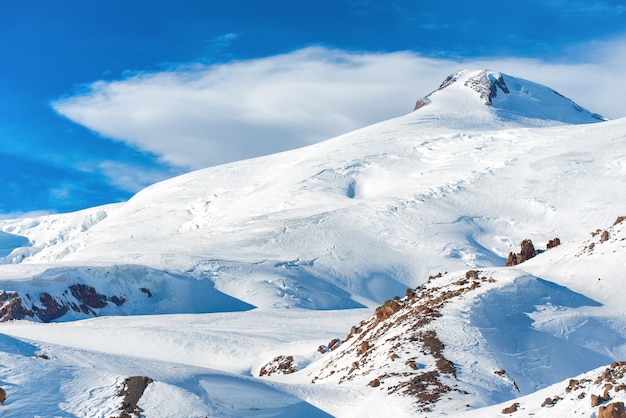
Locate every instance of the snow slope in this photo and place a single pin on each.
(312, 236)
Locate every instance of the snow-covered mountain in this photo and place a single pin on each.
(334, 232)
(502, 100)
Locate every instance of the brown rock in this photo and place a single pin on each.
(619, 220)
(612, 410)
(88, 296)
(595, 400)
(363, 348)
(527, 251)
(374, 383)
(553, 243)
(3, 395)
(52, 308)
(446, 366)
(511, 409)
(604, 236)
(11, 307)
(573, 384)
(471, 274)
(280, 365)
(133, 390)
(334, 344)
(388, 308)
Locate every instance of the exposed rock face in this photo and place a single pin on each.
(389, 308)
(88, 296)
(527, 251)
(612, 410)
(51, 308)
(604, 236)
(133, 390)
(484, 83)
(511, 409)
(400, 331)
(12, 307)
(3, 395)
(553, 243)
(280, 365)
(487, 86)
(332, 346)
(47, 307)
(425, 101)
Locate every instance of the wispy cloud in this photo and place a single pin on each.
(132, 178)
(197, 115)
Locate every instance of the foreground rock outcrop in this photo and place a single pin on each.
(79, 298)
(527, 251)
(132, 391)
(398, 350)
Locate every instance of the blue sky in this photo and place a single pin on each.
(100, 98)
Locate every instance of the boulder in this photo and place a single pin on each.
(527, 251)
(612, 410)
(280, 365)
(511, 409)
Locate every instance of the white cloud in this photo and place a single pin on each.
(197, 115)
(131, 178)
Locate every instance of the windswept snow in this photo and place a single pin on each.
(317, 237)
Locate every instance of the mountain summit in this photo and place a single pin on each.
(488, 98)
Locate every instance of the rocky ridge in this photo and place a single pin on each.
(397, 350)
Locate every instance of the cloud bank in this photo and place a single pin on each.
(196, 115)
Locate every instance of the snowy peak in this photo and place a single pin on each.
(497, 98)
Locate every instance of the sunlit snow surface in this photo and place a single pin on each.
(314, 239)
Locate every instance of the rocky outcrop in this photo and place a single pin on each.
(425, 101)
(12, 307)
(487, 86)
(280, 365)
(612, 410)
(47, 307)
(3, 395)
(400, 331)
(604, 236)
(332, 346)
(132, 391)
(511, 409)
(388, 308)
(553, 243)
(527, 251)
